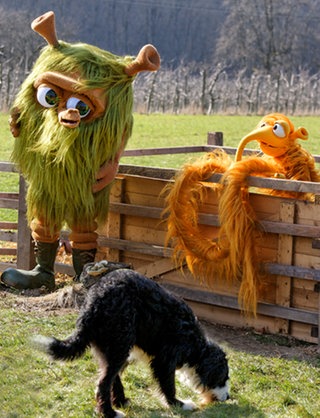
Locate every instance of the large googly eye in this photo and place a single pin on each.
(278, 130)
(82, 107)
(47, 97)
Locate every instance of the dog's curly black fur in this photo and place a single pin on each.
(125, 310)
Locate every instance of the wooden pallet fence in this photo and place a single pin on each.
(288, 249)
(288, 245)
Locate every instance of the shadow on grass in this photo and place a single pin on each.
(221, 410)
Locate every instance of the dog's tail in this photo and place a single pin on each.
(68, 349)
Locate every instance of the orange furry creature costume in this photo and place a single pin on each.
(231, 256)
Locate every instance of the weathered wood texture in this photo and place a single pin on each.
(287, 242)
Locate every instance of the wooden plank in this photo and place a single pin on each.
(318, 330)
(215, 138)
(136, 210)
(304, 246)
(8, 251)
(9, 203)
(212, 145)
(8, 236)
(303, 332)
(311, 261)
(164, 150)
(293, 271)
(307, 213)
(7, 167)
(25, 248)
(4, 266)
(5, 195)
(150, 172)
(270, 226)
(232, 303)
(114, 226)
(139, 247)
(276, 184)
(156, 268)
(8, 225)
(210, 219)
(285, 256)
(304, 297)
(64, 269)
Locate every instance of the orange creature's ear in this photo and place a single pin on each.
(300, 133)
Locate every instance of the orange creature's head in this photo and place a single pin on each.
(275, 134)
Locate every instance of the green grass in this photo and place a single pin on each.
(33, 386)
(158, 130)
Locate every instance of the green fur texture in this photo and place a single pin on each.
(60, 163)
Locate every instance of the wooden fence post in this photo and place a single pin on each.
(215, 138)
(25, 247)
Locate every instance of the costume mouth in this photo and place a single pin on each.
(265, 144)
(69, 123)
(69, 118)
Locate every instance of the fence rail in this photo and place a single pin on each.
(160, 256)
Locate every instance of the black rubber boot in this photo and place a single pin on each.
(41, 275)
(80, 258)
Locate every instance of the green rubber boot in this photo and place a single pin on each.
(41, 275)
(80, 258)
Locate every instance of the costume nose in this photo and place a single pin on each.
(70, 118)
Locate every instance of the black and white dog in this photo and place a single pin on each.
(125, 311)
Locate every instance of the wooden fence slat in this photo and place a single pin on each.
(26, 258)
(7, 167)
(5, 195)
(231, 302)
(165, 150)
(139, 247)
(285, 256)
(293, 271)
(213, 220)
(8, 225)
(8, 251)
(9, 203)
(8, 236)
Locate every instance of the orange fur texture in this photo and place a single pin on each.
(232, 255)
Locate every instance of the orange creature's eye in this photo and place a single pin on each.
(47, 97)
(278, 130)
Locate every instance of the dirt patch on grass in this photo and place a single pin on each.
(267, 345)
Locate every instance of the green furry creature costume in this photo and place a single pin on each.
(71, 119)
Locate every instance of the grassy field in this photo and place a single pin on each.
(263, 384)
(158, 130)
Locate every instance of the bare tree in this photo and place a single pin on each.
(268, 35)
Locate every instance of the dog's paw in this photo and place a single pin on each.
(119, 414)
(188, 405)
